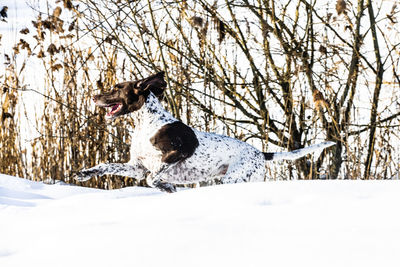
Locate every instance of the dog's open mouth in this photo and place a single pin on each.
(114, 109)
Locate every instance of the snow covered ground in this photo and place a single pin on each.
(293, 223)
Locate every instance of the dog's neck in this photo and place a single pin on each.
(151, 115)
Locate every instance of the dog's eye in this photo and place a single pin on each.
(131, 97)
(118, 86)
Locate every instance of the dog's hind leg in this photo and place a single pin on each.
(244, 174)
(249, 168)
(136, 171)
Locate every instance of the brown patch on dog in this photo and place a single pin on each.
(176, 141)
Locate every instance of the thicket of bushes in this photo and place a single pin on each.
(279, 74)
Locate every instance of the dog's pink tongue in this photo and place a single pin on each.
(115, 107)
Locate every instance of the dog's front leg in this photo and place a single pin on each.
(157, 182)
(136, 171)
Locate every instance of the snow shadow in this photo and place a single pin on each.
(5, 253)
(18, 198)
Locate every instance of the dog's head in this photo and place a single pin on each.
(128, 97)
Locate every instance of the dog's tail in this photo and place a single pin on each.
(295, 154)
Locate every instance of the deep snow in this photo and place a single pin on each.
(292, 223)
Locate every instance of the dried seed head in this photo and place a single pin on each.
(197, 21)
(341, 6)
(57, 12)
(319, 100)
(3, 12)
(40, 54)
(52, 49)
(68, 4)
(323, 50)
(24, 31)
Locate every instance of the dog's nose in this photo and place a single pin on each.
(95, 98)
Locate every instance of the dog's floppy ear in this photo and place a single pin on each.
(155, 83)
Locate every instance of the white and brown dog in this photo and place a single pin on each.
(166, 151)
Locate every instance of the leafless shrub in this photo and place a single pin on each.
(279, 74)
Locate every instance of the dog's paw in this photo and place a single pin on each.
(83, 175)
(164, 186)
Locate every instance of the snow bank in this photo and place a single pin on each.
(294, 223)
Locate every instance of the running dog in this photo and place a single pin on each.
(166, 151)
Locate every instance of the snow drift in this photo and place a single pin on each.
(293, 223)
